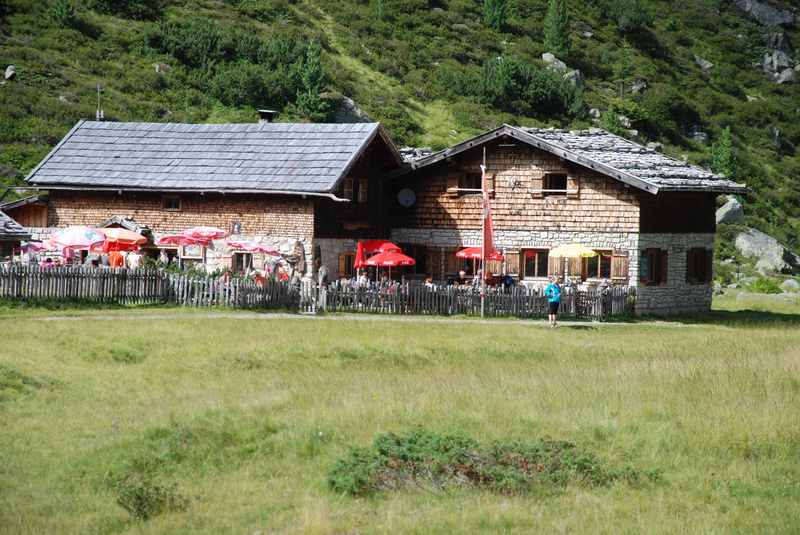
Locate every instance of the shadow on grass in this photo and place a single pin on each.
(742, 318)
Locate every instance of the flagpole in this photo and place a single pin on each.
(483, 234)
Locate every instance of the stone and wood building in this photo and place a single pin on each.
(11, 235)
(318, 188)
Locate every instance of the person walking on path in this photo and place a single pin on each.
(553, 294)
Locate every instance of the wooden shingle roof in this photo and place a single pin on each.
(606, 153)
(263, 157)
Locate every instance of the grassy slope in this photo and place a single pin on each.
(390, 70)
(272, 403)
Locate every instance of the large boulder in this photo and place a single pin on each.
(790, 285)
(776, 61)
(345, 109)
(787, 76)
(10, 73)
(553, 62)
(766, 14)
(730, 212)
(770, 255)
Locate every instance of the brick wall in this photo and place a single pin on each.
(602, 204)
(258, 215)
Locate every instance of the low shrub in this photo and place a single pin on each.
(144, 498)
(425, 458)
(765, 285)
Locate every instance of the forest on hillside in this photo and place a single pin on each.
(707, 80)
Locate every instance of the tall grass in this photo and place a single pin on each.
(242, 419)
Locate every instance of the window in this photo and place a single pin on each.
(362, 191)
(599, 267)
(470, 181)
(555, 184)
(347, 265)
(171, 203)
(653, 266)
(535, 263)
(241, 262)
(699, 265)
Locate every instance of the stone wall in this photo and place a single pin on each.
(277, 221)
(675, 297)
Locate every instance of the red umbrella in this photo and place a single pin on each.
(120, 239)
(204, 233)
(359, 261)
(474, 253)
(252, 247)
(179, 239)
(390, 259)
(379, 246)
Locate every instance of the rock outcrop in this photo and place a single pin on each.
(765, 13)
(770, 255)
(731, 212)
(790, 285)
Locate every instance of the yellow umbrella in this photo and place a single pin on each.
(573, 250)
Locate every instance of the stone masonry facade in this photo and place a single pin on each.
(277, 221)
(675, 297)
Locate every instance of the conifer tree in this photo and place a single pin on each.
(308, 103)
(495, 13)
(556, 28)
(723, 157)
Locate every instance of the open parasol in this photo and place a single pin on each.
(572, 250)
(204, 233)
(120, 239)
(390, 259)
(78, 237)
(252, 247)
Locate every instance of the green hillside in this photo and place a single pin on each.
(434, 71)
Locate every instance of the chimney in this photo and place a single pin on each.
(266, 116)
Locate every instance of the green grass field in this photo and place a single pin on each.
(243, 419)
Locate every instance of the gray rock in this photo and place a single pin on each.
(765, 13)
(703, 63)
(770, 255)
(574, 77)
(779, 41)
(658, 147)
(731, 212)
(790, 285)
(162, 68)
(553, 62)
(638, 86)
(776, 61)
(775, 136)
(787, 76)
(624, 121)
(345, 109)
(594, 113)
(588, 35)
(11, 73)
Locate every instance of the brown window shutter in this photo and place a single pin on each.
(452, 185)
(709, 259)
(573, 187)
(348, 188)
(363, 190)
(342, 264)
(553, 266)
(664, 266)
(513, 262)
(537, 184)
(619, 267)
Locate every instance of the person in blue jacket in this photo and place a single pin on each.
(553, 294)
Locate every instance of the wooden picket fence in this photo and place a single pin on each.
(127, 287)
(520, 302)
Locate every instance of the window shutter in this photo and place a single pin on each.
(709, 259)
(348, 188)
(664, 266)
(575, 267)
(537, 184)
(452, 185)
(619, 267)
(513, 262)
(553, 265)
(690, 265)
(573, 187)
(342, 264)
(363, 191)
(490, 183)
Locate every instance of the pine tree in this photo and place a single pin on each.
(556, 28)
(495, 13)
(308, 103)
(723, 156)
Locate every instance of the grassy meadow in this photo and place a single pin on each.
(241, 419)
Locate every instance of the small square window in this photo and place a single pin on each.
(555, 184)
(470, 181)
(171, 203)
